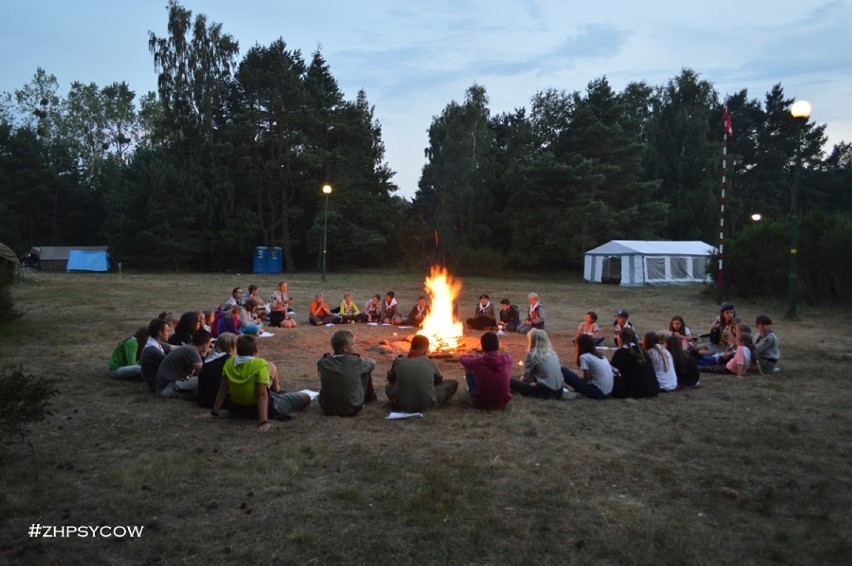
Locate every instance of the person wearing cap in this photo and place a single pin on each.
(510, 319)
(621, 322)
(719, 331)
(483, 318)
(535, 318)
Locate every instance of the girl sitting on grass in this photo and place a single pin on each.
(596, 381)
(542, 372)
(742, 360)
(635, 377)
(678, 329)
(662, 362)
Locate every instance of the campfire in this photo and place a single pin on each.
(445, 333)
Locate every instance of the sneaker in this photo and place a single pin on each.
(568, 394)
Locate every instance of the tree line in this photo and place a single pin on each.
(231, 153)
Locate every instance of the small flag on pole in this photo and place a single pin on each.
(729, 126)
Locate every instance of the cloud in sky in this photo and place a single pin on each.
(414, 58)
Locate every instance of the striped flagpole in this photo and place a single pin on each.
(728, 130)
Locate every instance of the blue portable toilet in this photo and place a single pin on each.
(261, 259)
(275, 260)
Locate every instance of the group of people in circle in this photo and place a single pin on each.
(178, 359)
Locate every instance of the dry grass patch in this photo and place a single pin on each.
(739, 471)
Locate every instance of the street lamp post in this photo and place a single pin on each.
(326, 189)
(800, 110)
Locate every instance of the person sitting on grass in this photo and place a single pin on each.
(229, 320)
(488, 375)
(535, 316)
(483, 318)
(280, 315)
(414, 381)
(635, 377)
(662, 361)
(418, 313)
(590, 326)
(766, 345)
(542, 372)
(596, 381)
(319, 312)
(390, 310)
(678, 329)
(510, 319)
(177, 376)
(253, 390)
(186, 327)
(622, 320)
(349, 311)
(346, 380)
(210, 376)
(124, 360)
(372, 309)
(154, 351)
(686, 367)
(743, 357)
(719, 331)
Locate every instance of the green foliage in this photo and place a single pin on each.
(758, 260)
(23, 399)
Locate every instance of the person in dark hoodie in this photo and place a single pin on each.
(488, 375)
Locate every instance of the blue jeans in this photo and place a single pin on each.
(181, 389)
(582, 386)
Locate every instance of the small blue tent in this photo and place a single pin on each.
(79, 260)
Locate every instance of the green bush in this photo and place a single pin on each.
(757, 261)
(23, 399)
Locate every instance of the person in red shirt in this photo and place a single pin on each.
(488, 375)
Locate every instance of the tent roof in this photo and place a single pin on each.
(648, 247)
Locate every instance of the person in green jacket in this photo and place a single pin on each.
(346, 380)
(124, 360)
(414, 381)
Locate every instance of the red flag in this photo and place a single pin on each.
(729, 126)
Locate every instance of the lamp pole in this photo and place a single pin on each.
(800, 110)
(326, 189)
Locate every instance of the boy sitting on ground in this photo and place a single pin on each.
(414, 382)
(345, 378)
(252, 388)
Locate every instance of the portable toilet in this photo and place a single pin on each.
(261, 260)
(274, 263)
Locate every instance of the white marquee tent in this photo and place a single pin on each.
(636, 263)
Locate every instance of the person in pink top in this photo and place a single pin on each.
(488, 375)
(741, 362)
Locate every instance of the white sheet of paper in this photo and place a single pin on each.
(397, 416)
(372, 324)
(265, 334)
(313, 394)
(404, 327)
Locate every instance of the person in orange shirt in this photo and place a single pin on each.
(319, 312)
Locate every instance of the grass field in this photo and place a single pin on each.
(740, 471)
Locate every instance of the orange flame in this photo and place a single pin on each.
(440, 326)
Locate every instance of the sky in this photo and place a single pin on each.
(414, 58)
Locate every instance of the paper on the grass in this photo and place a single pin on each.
(372, 324)
(396, 416)
(404, 327)
(387, 324)
(265, 334)
(313, 394)
(329, 324)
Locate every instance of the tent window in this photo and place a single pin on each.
(655, 268)
(699, 267)
(680, 268)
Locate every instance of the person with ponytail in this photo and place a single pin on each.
(634, 371)
(662, 361)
